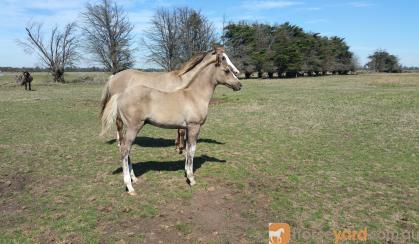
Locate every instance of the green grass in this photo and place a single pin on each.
(322, 154)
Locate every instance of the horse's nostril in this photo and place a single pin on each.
(238, 86)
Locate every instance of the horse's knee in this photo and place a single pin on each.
(124, 150)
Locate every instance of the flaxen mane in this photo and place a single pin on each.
(191, 63)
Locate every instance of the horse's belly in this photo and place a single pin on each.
(166, 124)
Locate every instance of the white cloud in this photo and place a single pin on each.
(268, 4)
(361, 4)
(52, 5)
(16, 14)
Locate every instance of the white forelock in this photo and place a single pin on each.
(231, 65)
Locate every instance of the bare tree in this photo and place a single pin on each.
(108, 36)
(196, 33)
(56, 53)
(163, 39)
(176, 35)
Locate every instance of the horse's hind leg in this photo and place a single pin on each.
(192, 137)
(30, 89)
(180, 140)
(26, 86)
(119, 128)
(119, 137)
(131, 171)
(125, 149)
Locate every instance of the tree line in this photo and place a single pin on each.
(105, 35)
(286, 50)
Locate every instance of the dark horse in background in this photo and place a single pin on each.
(24, 79)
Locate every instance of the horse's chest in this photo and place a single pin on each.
(196, 114)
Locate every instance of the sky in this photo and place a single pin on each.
(366, 25)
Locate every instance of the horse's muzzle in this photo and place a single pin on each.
(237, 86)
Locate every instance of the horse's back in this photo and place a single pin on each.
(164, 81)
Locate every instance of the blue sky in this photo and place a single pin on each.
(366, 25)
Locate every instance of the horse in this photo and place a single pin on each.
(275, 237)
(24, 79)
(164, 81)
(185, 108)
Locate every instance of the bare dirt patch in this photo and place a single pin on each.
(212, 214)
(42, 186)
(48, 236)
(12, 184)
(10, 208)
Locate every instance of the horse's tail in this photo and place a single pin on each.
(105, 98)
(106, 95)
(109, 114)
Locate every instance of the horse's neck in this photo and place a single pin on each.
(203, 86)
(190, 76)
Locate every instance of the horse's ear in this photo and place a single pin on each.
(217, 48)
(214, 48)
(217, 60)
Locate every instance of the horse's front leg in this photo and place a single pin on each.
(30, 89)
(26, 86)
(192, 137)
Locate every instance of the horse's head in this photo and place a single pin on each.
(226, 73)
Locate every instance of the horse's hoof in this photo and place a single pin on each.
(132, 193)
(192, 181)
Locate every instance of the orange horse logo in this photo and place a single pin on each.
(279, 233)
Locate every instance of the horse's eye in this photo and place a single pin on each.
(223, 58)
(227, 71)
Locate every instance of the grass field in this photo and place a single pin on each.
(322, 154)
